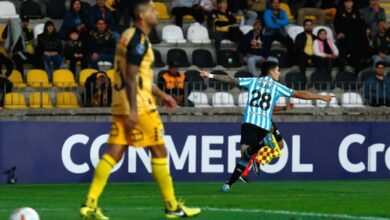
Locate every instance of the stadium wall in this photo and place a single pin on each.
(67, 152)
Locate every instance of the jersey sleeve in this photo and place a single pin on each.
(244, 82)
(284, 91)
(136, 50)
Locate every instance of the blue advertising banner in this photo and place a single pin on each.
(67, 152)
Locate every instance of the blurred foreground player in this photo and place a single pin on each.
(136, 121)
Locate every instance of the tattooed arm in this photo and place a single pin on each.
(221, 78)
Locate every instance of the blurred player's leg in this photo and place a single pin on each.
(102, 172)
(160, 170)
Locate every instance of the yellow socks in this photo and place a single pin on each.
(164, 181)
(102, 172)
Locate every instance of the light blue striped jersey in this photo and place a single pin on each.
(263, 93)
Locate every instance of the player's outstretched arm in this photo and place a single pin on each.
(169, 102)
(311, 96)
(278, 108)
(221, 78)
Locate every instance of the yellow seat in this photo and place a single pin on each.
(188, 18)
(67, 100)
(15, 100)
(287, 9)
(38, 78)
(40, 100)
(162, 10)
(64, 78)
(1, 33)
(111, 75)
(17, 79)
(84, 74)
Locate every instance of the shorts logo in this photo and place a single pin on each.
(136, 135)
(140, 49)
(114, 130)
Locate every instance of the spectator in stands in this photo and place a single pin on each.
(304, 46)
(75, 51)
(371, 14)
(50, 48)
(174, 83)
(350, 28)
(254, 11)
(276, 20)
(222, 20)
(8, 64)
(101, 44)
(98, 90)
(100, 11)
(377, 87)
(23, 47)
(325, 52)
(381, 43)
(74, 18)
(255, 46)
(180, 8)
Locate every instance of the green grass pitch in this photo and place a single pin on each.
(255, 200)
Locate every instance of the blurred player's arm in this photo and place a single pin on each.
(311, 96)
(278, 108)
(168, 101)
(131, 92)
(221, 78)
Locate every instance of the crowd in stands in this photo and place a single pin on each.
(331, 33)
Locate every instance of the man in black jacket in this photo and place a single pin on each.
(304, 46)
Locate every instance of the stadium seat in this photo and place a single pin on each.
(17, 79)
(38, 29)
(111, 75)
(333, 103)
(294, 30)
(153, 36)
(282, 101)
(158, 61)
(7, 10)
(31, 9)
(243, 73)
(242, 99)
(38, 78)
(178, 56)
(64, 78)
(229, 58)
(321, 81)
(352, 100)
(285, 7)
(162, 10)
(198, 34)
(14, 100)
(346, 81)
(199, 99)
(40, 100)
(217, 85)
(328, 30)
(301, 103)
(366, 74)
(296, 80)
(282, 57)
(188, 18)
(173, 34)
(246, 28)
(67, 100)
(223, 99)
(84, 74)
(1, 33)
(202, 58)
(195, 81)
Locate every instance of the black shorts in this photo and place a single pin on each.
(276, 133)
(252, 135)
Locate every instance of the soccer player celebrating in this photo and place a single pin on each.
(135, 119)
(263, 92)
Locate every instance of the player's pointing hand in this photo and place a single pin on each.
(203, 74)
(327, 98)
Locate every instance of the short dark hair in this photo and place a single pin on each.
(134, 7)
(380, 63)
(220, 1)
(307, 20)
(268, 66)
